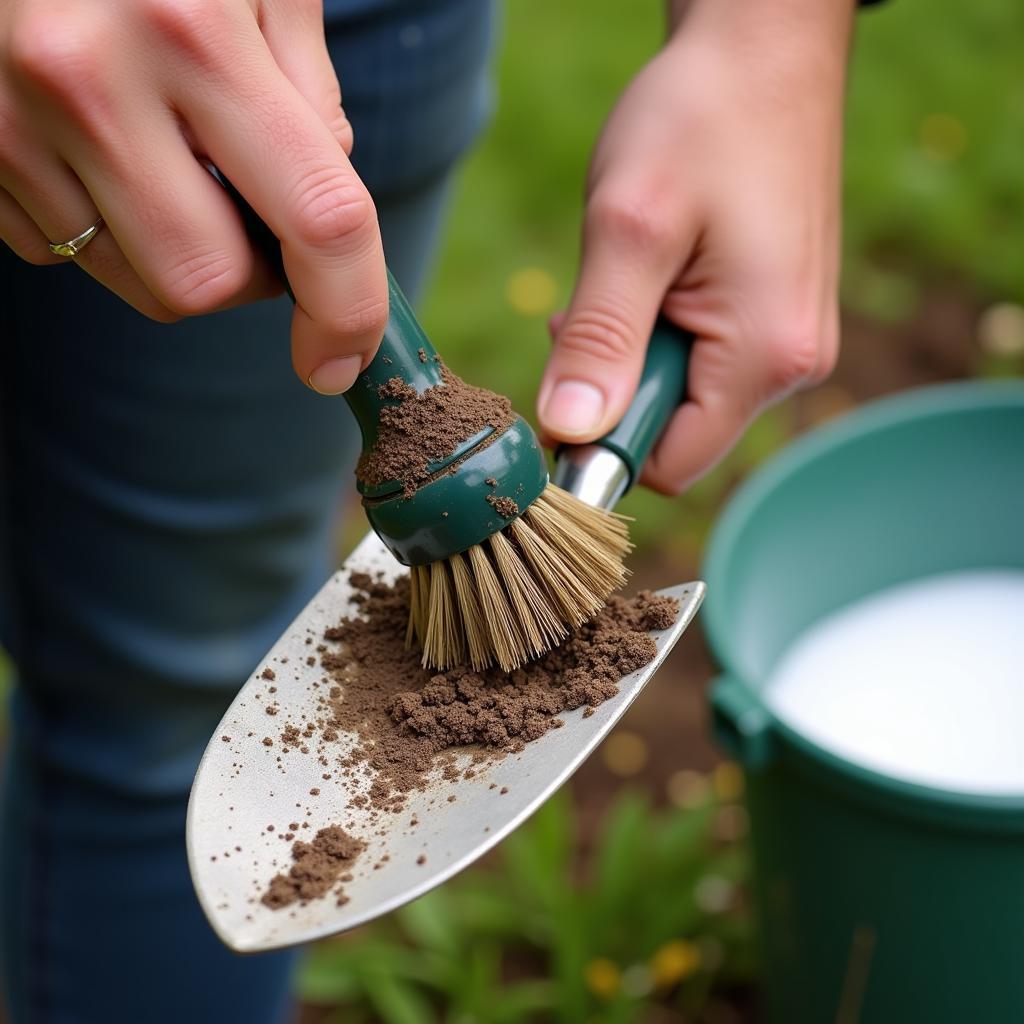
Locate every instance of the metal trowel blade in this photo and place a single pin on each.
(241, 787)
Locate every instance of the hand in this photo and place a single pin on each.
(109, 107)
(713, 195)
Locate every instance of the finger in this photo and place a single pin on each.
(732, 377)
(555, 322)
(54, 200)
(724, 395)
(176, 228)
(278, 153)
(598, 355)
(21, 234)
(294, 31)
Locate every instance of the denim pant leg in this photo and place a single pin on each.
(168, 498)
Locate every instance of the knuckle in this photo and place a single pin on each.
(194, 27)
(55, 51)
(601, 335)
(357, 319)
(629, 220)
(794, 351)
(67, 59)
(828, 355)
(332, 207)
(671, 488)
(202, 283)
(669, 485)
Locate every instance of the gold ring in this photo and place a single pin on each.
(75, 245)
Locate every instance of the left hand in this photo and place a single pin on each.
(713, 197)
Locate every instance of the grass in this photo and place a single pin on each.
(655, 917)
(934, 190)
(933, 194)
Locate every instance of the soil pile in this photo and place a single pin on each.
(318, 866)
(405, 714)
(408, 718)
(423, 428)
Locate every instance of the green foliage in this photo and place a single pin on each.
(934, 189)
(934, 167)
(539, 936)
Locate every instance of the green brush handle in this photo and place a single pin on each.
(662, 389)
(450, 513)
(399, 352)
(398, 356)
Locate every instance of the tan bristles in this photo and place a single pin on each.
(419, 604)
(574, 602)
(512, 597)
(472, 616)
(538, 622)
(444, 624)
(592, 541)
(506, 647)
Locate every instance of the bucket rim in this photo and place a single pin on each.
(876, 416)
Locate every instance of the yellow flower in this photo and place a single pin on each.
(603, 977)
(943, 136)
(688, 789)
(531, 291)
(727, 781)
(675, 961)
(625, 753)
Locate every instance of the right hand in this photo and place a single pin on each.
(108, 107)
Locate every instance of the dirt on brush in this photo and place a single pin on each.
(422, 428)
(505, 507)
(405, 715)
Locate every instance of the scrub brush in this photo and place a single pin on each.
(503, 562)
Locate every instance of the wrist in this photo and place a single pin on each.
(787, 26)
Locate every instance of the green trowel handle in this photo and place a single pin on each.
(404, 352)
(661, 391)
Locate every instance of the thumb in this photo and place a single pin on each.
(294, 33)
(599, 349)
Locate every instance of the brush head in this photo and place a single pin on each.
(470, 496)
(516, 594)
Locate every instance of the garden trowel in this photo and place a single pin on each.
(244, 786)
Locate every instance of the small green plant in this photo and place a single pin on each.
(654, 916)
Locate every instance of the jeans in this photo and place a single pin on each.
(168, 502)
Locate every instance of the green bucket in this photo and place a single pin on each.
(879, 900)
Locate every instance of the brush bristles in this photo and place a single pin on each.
(514, 596)
(444, 622)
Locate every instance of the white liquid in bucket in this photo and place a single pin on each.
(923, 682)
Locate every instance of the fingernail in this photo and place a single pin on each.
(573, 407)
(335, 376)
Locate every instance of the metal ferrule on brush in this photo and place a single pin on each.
(592, 473)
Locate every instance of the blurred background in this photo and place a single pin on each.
(626, 898)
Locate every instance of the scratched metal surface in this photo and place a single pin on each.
(242, 786)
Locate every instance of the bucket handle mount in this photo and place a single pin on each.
(741, 722)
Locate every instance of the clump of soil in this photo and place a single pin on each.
(405, 715)
(409, 719)
(505, 507)
(423, 428)
(318, 867)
